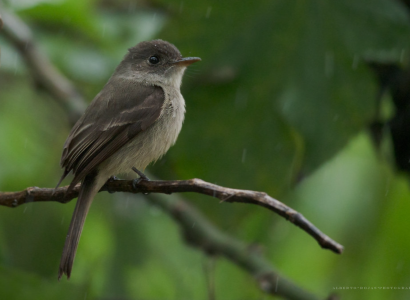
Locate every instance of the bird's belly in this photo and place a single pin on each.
(147, 146)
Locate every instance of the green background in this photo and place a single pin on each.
(281, 103)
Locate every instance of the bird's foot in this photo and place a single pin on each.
(141, 177)
(111, 179)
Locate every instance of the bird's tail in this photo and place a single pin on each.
(89, 188)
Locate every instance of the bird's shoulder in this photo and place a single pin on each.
(121, 108)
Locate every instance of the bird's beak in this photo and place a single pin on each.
(184, 62)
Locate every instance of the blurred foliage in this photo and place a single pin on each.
(281, 103)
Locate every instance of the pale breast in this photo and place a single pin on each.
(151, 144)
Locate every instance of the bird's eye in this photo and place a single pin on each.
(153, 60)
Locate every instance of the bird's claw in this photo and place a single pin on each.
(141, 177)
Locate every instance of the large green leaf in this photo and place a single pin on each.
(283, 86)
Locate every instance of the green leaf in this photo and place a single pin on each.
(281, 83)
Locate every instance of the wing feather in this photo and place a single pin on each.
(113, 118)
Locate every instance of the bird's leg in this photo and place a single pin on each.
(141, 177)
(111, 179)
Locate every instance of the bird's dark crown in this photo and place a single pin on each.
(160, 48)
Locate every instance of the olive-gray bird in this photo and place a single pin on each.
(132, 122)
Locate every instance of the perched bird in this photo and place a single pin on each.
(133, 121)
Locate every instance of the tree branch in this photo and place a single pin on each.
(34, 194)
(214, 242)
(43, 72)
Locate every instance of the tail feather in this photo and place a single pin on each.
(65, 173)
(88, 190)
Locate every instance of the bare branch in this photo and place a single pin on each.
(34, 194)
(214, 242)
(42, 71)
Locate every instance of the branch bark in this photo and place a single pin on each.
(34, 194)
(203, 235)
(214, 242)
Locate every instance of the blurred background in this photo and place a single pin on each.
(306, 100)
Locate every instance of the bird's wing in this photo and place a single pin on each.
(113, 118)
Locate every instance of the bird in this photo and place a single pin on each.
(131, 122)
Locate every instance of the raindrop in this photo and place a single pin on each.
(15, 63)
(145, 193)
(181, 7)
(241, 99)
(243, 155)
(402, 53)
(62, 220)
(276, 285)
(329, 64)
(399, 266)
(24, 210)
(355, 61)
(208, 12)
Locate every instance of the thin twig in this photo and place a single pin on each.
(34, 194)
(43, 72)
